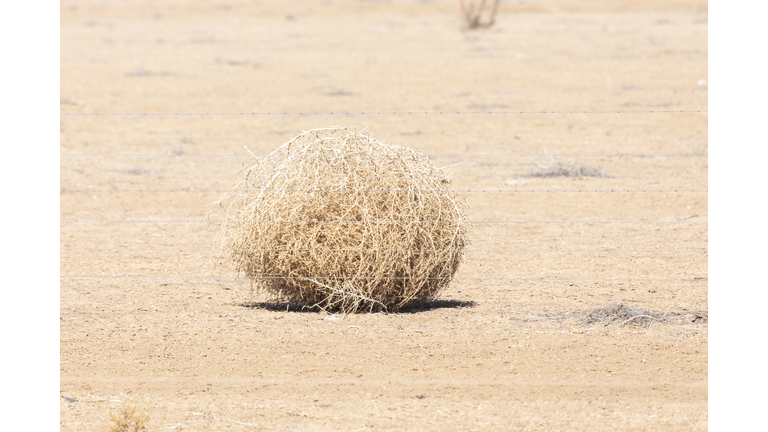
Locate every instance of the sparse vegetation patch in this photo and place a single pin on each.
(553, 166)
(621, 315)
(130, 418)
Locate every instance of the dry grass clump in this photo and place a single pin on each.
(622, 315)
(130, 418)
(553, 166)
(474, 11)
(338, 220)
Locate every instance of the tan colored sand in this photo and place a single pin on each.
(203, 355)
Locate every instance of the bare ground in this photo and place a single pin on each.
(514, 354)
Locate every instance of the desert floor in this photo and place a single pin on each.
(175, 334)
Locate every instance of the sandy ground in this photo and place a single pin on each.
(208, 354)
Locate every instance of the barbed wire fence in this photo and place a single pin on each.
(220, 278)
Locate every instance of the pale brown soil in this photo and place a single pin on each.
(207, 354)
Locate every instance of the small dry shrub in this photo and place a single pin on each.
(475, 13)
(338, 220)
(130, 418)
(555, 166)
(621, 314)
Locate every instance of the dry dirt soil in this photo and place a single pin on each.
(149, 316)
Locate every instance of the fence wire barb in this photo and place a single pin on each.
(163, 114)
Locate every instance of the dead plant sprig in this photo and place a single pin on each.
(556, 166)
(474, 11)
(309, 259)
(130, 418)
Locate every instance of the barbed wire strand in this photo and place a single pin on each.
(366, 277)
(163, 114)
(390, 250)
(392, 190)
(426, 154)
(385, 222)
